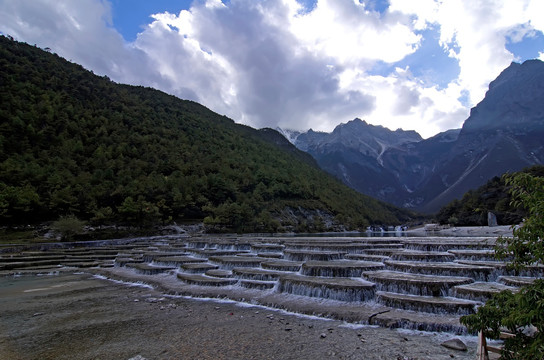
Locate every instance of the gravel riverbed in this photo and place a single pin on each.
(79, 316)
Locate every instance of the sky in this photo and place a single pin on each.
(296, 64)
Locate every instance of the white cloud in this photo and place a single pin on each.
(351, 34)
(404, 101)
(268, 63)
(80, 31)
(475, 33)
(243, 64)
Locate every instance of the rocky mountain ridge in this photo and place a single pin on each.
(504, 133)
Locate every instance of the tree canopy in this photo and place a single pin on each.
(494, 196)
(522, 313)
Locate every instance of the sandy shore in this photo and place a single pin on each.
(78, 316)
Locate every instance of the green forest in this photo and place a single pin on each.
(76, 144)
(494, 196)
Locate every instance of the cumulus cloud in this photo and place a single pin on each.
(274, 63)
(475, 33)
(406, 100)
(354, 35)
(80, 31)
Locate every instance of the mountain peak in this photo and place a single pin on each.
(354, 124)
(357, 121)
(514, 98)
(517, 71)
(505, 75)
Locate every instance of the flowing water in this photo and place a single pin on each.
(420, 283)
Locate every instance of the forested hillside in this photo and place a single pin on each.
(73, 143)
(494, 196)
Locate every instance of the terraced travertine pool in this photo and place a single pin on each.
(415, 283)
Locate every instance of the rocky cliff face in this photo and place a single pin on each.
(514, 100)
(354, 153)
(504, 133)
(357, 135)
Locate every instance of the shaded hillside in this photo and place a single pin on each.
(494, 196)
(353, 153)
(75, 143)
(414, 164)
(504, 133)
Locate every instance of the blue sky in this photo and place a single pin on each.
(528, 48)
(417, 65)
(131, 16)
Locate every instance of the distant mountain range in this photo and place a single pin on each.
(504, 133)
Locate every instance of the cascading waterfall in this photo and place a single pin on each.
(323, 290)
(230, 262)
(305, 255)
(342, 268)
(256, 274)
(478, 273)
(426, 276)
(428, 304)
